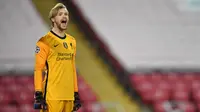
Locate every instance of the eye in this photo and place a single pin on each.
(60, 14)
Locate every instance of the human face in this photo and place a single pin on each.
(61, 19)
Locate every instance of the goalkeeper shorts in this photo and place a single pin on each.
(59, 106)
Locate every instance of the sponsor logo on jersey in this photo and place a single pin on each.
(64, 56)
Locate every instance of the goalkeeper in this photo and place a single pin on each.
(55, 57)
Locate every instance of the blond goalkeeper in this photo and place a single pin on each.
(55, 55)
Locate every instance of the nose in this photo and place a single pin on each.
(65, 17)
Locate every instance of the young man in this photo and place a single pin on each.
(55, 56)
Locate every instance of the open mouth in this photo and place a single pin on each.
(64, 21)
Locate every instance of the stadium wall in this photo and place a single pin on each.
(165, 38)
(102, 50)
(20, 28)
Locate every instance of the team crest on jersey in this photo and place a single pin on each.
(37, 50)
(65, 45)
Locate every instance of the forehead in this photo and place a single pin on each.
(63, 10)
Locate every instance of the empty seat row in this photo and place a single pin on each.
(17, 93)
(172, 77)
(180, 107)
(29, 108)
(16, 79)
(157, 88)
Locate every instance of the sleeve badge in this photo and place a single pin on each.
(37, 50)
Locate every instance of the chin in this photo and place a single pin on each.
(64, 29)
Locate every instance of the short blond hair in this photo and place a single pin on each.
(54, 11)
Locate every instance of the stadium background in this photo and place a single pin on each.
(132, 56)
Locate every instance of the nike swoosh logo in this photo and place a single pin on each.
(56, 45)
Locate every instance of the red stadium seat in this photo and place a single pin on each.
(7, 80)
(164, 85)
(156, 88)
(27, 108)
(180, 95)
(29, 87)
(145, 86)
(81, 110)
(2, 87)
(161, 95)
(195, 85)
(24, 97)
(189, 77)
(158, 107)
(23, 86)
(156, 77)
(138, 78)
(92, 107)
(196, 96)
(80, 79)
(187, 107)
(86, 93)
(180, 85)
(5, 98)
(13, 87)
(147, 94)
(24, 80)
(83, 86)
(88, 96)
(173, 77)
(9, 108)
(198, 107)
(143, 89)
(197, 76)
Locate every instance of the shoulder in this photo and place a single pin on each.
(71, 37)
(43, 41)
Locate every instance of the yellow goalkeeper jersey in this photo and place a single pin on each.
(55, 59)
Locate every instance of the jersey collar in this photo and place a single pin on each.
(58, 35)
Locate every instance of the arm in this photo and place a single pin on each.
(77, 103)
(41, 54)
(74, 67)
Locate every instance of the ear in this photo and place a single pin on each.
(52, 19)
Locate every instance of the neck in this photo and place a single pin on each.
(58, 32)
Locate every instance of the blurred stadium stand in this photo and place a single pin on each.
(16, 94)
(148, 34)
(20, 27)
(151, 47)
